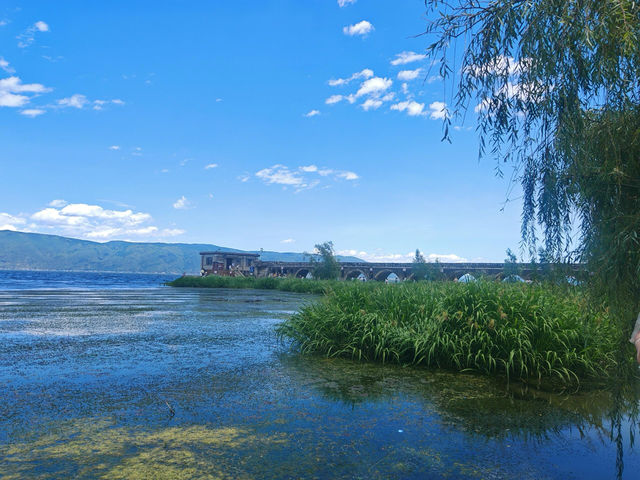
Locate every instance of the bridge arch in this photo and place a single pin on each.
(382, 275)
(354, 274)
(302, 273)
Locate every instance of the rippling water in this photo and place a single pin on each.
(154, 382)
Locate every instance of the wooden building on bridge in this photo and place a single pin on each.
(227, 263)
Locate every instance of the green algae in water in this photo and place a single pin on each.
(97, 448)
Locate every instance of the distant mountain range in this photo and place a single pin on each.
(35, 251)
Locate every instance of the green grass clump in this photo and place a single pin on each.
(295, 285)
(522, 331)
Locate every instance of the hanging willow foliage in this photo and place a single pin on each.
(555, 84)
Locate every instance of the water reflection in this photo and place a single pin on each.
(89, 381)
(478, 405)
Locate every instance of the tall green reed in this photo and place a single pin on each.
(522, 331)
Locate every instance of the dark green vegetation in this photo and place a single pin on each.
(530, 332)
(557, 85)
(521, 331)
(326, 265)
(32, 251)
(283, 284)
(422, 270)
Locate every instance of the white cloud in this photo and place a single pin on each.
(244, 178)
(302, 177)
(281, 175)
(522, 91)
(52, 216)
(27, 37)
(182, 203)
(114, 147)
(40, 26)
(15, 85)
(9, 222)
(407, 57)
(103, 233)
(344, 3)
(32, 112)
(75, 101)
(438, 111)
(82, 220)
(374, 86)
(334, 99)
(171, 232)
(383, 257)
(12, 100)
(312, 113)
(483, 106)
(378, 257)
(106, 233)
(408, 75)
(371, 103)
(366, 73)
(445, 258)
(288, 240)
(412, 108)
(347, 175)
(51, 59)
(88, 218)
(500, 65)
(360, 28)
(210, 166)
(95, 211)
(14, 93)
(12, 88)
(80, 101)
(4, 65)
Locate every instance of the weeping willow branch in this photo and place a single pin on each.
(555, 85)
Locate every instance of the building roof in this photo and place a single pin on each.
(231, 254)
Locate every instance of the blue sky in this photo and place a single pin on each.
(249, 124)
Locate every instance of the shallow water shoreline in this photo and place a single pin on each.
(88, 377)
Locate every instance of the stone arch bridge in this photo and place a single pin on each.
(380, 271)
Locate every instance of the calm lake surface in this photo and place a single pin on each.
(116, 376)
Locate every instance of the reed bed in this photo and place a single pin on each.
(521, 331)
(542, 332)
(268, 283)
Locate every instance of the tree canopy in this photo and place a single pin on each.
(555, 85)
(419, 267)
(510, 264)
(326, 266)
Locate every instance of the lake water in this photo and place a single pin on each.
(117, 376)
